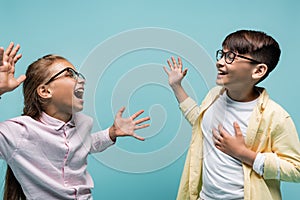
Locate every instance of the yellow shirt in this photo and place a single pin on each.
(271, 131)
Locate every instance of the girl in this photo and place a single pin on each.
(46, 149)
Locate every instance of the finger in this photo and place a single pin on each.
(179, 62)
(184, 71)
(17, 57)
(166, 70)
(120, 112)
(142, 120)
(138, 137)
(174, 61)
(9, 48)
(216, 135)
(135, 115)
(216, 141)
(141, 126)
(170, 65)
(21, 78)
(1, 55)
(237, 129)
(221, 130)
(14, 51)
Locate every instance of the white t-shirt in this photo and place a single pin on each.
(222, 174)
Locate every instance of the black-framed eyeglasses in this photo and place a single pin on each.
(230, 56)
(70, 73)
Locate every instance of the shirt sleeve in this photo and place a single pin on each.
(11, 134)
(101, 141)
(283, 163)
(190, 110)
(258, 165)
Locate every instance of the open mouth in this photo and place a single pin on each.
(79, 93)
(222, 72)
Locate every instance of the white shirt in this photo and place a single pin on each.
(223, 174)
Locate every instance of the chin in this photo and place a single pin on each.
(77, 109)
(220, 82)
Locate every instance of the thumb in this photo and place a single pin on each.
(120, 112)
(237, 129)
(184, 71)
(21, 78)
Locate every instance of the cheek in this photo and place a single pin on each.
(241, 74)
(65, 93)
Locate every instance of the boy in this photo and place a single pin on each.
(243, 143)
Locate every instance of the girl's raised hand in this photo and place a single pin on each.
(127, 126)
(8, 59)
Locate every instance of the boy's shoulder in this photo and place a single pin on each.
(271, 106)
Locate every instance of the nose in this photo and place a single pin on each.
(81, 80)
(220, 63)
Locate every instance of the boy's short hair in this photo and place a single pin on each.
(257, 44)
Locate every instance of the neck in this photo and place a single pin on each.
(61, 116)
(243, 95)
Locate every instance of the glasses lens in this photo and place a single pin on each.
(71, 73)
(229, 57)
(219, 55)
(80, 76)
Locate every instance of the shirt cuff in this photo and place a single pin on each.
(259, 163)
(101, 140)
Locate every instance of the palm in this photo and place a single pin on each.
(8, 59)
(175, 74)
(127, 126)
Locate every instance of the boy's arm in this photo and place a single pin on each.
(8, 59)
(284, 161)
(234, 145)
(187, 105)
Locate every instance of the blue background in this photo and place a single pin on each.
(74, 28)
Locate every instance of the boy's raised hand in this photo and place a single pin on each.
(8, 59)
(175, 73)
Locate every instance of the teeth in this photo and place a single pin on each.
(79, 93)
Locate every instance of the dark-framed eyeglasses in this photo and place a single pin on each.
(70, 72)
(230, 56)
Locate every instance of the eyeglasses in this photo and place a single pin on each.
(230, 56)
(70, 73)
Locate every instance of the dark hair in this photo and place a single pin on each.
(36, 74)
(257, 44)
(12, 188)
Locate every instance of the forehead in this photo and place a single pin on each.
(60, 65)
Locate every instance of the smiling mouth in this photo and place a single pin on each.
(221, 73)
(79, 93)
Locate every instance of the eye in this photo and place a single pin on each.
(70, 73)
(230, 56)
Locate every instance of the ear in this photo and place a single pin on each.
(44, 91)
(259, 71)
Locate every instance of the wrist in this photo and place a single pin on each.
(176, 85)
(112, 133)
(247, 156)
